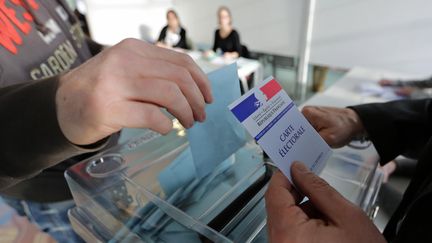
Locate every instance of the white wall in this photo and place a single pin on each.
(113, 20)
(268, 26)
(386, 34)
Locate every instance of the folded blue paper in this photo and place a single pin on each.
(178, 174)
(221, 134)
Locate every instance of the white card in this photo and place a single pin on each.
(271, 117)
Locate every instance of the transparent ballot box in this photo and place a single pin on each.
(146, 190)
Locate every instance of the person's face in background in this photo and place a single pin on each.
(173, 22)
(224, 19)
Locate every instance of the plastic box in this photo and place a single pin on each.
(125, 194)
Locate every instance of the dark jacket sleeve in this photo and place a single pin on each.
(397, 127)
(422, 84)
(162, 34)
(94, 47)
(31, 139)
(216, 41)
(183, 40)
(237, 43)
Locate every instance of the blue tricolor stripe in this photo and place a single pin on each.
(246, 108)
(273, 122)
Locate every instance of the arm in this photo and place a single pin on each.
(45, 122)
(397, 127)
(421, 84)
(216, 41)
(183, 41)
(162, 35)
(237, 43)
(31, 137)
(235, 38)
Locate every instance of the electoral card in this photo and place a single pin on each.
(271, 117)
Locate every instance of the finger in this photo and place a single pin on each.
(159, 69)
(132, 114)
(331, 138)
(280, 187)
(314, 115)
(310, 210)
(324, 197)
(181, 59)
(172, 99)
(280, 193)
(282, 212)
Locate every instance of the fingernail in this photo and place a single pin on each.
(299, 166)
(203, 117)
(189, 125)
(210, 99)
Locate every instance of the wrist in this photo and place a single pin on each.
(357, 128)
(66, 109)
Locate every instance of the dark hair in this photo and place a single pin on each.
(225, 8)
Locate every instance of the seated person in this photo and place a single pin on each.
(173, 35)
(226, 38)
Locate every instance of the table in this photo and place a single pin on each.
(345, 91)
(246, 67)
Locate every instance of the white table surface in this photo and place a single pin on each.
(345, 91)
(245, 66)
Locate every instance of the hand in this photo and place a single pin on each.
(209, 54)
(385, 82)
(337, 126)
(161, 44)
(231, 55)
(125, 86)
(326, 217)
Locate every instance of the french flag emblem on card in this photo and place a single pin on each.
(271, 117)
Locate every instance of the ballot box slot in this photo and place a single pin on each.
(228, 218)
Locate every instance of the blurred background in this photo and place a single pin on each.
(385, 34)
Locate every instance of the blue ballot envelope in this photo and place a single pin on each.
(214, 140)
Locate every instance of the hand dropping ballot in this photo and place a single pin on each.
(271, 117)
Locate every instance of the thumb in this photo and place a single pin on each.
(322, 196)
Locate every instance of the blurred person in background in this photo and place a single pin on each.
(173, 35)
(226, 38)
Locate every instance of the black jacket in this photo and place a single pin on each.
(397, 128)
(182, 42)
(231, 43)
(31, 140)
